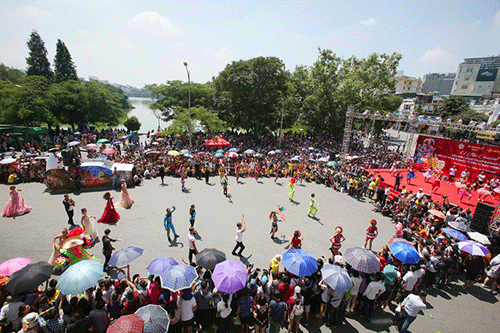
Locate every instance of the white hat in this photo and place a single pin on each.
(297, 290)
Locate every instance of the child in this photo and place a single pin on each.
(312, 208)
(371, 234)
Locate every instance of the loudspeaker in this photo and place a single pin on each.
(482, 218)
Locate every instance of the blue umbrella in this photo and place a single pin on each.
(218, 155)
(234, 149)
(362, 260)
(160, 265)
(178, 277)
(336, 277)
(454, 233)
(77, 133)
(125, 256)
(73, 143)
(300, 262)
(404, 252)
(278, 151)
(390, 273)
(80, 277)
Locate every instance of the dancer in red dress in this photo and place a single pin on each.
(110, 215)
(371, 234)
(336, 240)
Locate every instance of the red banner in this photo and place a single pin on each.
(441, 154)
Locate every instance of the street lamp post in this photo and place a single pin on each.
(282, 111)
(189, 101)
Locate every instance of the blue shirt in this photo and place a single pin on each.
(245, 304)
(168, 219)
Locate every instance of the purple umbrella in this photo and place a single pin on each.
(160, 265)
(473, 248)
(230, 276)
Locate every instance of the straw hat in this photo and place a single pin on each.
(72, 242)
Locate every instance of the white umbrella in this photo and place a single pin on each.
(249, 151)
(479, 238)
(8, 161)
(271, 152)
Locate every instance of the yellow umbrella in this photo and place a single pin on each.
(173, 153)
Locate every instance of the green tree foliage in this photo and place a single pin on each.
(248, 93)
(64, 67)
(453, 105)
(105, 104)
(132, 124)
(208, 121)
(10, 74)
(466, 116)
(173, 97)
(68, 101)
(38, 63)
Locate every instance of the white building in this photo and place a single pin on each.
(477, 77)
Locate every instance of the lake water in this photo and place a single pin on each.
(145, 115)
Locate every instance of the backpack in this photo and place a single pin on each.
(297, 310)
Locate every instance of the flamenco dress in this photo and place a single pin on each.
(125, 199)
(110, 215)
(16, 206)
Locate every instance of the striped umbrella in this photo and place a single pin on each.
(362, 260)
(127, 324)
(473, 248)
(454, 233)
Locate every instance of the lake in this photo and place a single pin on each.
(145, 115)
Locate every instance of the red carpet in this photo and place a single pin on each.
(446, 188)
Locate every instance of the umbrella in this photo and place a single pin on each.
(80, 277)
(51, 150)
(362, 260)
(152, 152)
(230, 276)
(29, 277)
(188, 155)
(271, 152)
(73, 143)
(249, 151)
(300, 262)
(218, 155)
(454, 233)
(160, 265)
(319, 154)
(437, 213)
(479, 238)
(155, 143)
(184, 151)
(173, 153)
(324, 159)
(405, 252)
(127, 324)
(395, 239)
(332, 163)
(473, 248)
(156, 319)
(460, 226)
(390, 273)
(103, 141)
(312, 160)
(278, 151)
(311, 148)
(221, 151)
(259, 155)
(208, 258)
(232, 154)
(336, 277)
(13, 265)
(234, 149)
(108, 151)
(125, 256)
(8, 161)
(91, 146)
(295, 158)
(178, 277)
(77, 133)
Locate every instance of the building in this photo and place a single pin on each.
(441, 83)
(477, 78)
(407, 86)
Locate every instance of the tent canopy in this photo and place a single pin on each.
(217, 142)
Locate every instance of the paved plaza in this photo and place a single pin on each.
(450, 309)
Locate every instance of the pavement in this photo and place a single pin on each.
(449, 310)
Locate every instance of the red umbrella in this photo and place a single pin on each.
(394, 239)
(108, 151)
(127, 324)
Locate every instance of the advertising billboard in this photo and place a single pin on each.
(487, 73)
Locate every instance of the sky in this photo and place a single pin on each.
(145, 42)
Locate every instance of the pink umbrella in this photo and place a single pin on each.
(108, 151)
(13, 265)
(232, 154)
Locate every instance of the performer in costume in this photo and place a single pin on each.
(484, 191)
(291, 185)
(410, 175)
(58, 242)
(371, 234)
(275, 218)
(168, 224)
(110, 215)
(312, 208)
(125, 199)
(428, 175)
(225, 186)
(89, 224)
(296, 241)
(16, 205)
(73, 251)
(336, 240)
(192, 215)
(466, 192)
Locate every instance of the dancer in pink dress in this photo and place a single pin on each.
(125, 199)
(16, 205)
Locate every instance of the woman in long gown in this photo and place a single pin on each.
(89, 224)
(16, 205)
(58, 242)
(110, 215)
(125, 199)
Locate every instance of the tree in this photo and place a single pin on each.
(248, 93)
(132, 124)
(452, 106)
(10, 74)
(466, 116)
(38, 64)
(68, 102)
(64, 67)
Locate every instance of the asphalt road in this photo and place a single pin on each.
(450, 310)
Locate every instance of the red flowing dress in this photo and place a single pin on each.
(110, 215)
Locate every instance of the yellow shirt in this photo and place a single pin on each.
(12, 176)
(275, 266)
